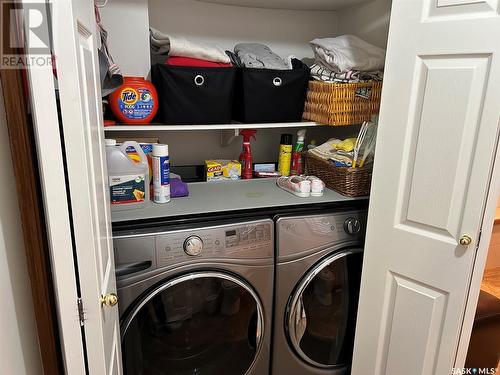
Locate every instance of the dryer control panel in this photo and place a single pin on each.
(299, 236)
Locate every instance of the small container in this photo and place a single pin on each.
(285, 154)
(134, 102)
(161, 174)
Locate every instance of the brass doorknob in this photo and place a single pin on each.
(465, 240)
(109, 300)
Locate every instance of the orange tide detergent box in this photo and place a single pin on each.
(222, 170)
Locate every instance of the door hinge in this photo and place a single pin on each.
(479, 238)
(81, 312)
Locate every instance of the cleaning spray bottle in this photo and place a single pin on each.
(246, 153)
(297, 167)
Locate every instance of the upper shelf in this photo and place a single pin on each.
(160, 127)
(290, 4)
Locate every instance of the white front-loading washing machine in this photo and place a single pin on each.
(196, 299)
(318, 273)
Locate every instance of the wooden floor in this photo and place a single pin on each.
(491, 282)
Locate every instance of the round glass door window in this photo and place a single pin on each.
(321, 314)
(206, 323)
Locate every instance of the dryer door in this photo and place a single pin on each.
(321, 313)
(197, 323)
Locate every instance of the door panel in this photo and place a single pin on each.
(425, 306)
(461, 81)
(437, 138)
(75, 44)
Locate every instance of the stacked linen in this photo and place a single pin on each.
(346, 59)
(163, 46)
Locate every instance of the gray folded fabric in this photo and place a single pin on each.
(163, 44)
(256, 55)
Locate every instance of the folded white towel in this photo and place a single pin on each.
(348, 52)
(178, 46)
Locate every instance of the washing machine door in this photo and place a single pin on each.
(199, 323)
(321, 312)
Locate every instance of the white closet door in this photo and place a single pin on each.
(75, 45)
(437, 139)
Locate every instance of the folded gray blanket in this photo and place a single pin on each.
(256, 55)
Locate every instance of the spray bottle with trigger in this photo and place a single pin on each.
(297, 167)
(246, 153)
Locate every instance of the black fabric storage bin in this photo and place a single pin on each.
(191, 95)
(269, 95)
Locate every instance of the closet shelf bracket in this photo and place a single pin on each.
(227, 136)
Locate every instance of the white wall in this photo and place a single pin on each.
(285, 31)
(194, 147)
(127, 24)
(369, 21)
(19, 349)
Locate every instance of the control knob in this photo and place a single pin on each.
(193, 245)
(352, 225)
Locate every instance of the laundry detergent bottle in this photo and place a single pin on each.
(134, 102)
(128, 179)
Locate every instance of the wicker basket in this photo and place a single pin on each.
(338, 104)
(352, 182)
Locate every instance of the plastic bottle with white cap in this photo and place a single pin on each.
(128, 180)
(161, 174)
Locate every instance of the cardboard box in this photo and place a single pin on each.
(216, 170)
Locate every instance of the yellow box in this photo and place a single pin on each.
(222, 170)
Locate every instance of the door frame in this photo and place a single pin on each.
(29, 190)
(47, 229)
(39, 167)
(48, 137)
(488, 220)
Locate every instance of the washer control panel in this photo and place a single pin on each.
(193, 245)
(252, 240)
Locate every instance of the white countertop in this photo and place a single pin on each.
(222, 196)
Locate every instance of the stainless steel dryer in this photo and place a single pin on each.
(196, 300)
(319, 259)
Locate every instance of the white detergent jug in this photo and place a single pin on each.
(128, 180)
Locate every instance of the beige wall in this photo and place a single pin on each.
(368, 21)
(19, 350)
